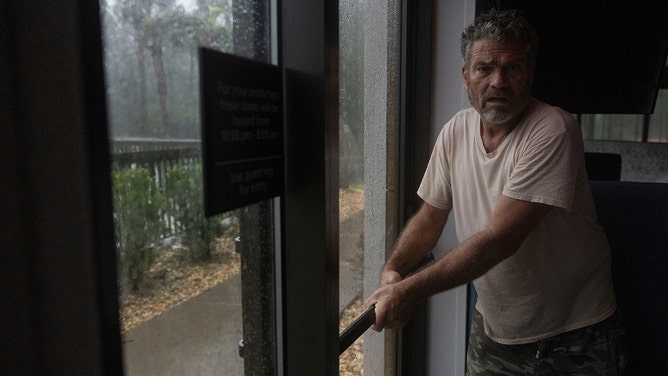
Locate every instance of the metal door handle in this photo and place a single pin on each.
(350, 334)
(364, 321)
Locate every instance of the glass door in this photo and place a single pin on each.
(351, 177)
(369, 66)
(181, 274)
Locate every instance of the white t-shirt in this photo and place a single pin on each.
(560, 278)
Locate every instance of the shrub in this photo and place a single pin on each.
(145, 215)
(137, 208)
(185, 195)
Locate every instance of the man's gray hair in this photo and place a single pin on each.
(501, 27)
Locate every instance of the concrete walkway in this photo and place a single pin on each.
(198, 337)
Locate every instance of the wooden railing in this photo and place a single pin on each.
(155, 155)
(128, 145)
(158, 157)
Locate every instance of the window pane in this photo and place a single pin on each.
(658, 124)
(351, 175)
(179, 273)
(369, 116)
(612, 127)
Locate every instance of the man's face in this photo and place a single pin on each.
(498, 80)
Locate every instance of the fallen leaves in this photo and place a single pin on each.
(351, 362)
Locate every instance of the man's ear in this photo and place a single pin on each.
(465, 77)
(532, 71)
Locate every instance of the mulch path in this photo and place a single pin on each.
(173, 280)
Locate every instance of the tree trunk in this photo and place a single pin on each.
(161, 79)
(140, 38)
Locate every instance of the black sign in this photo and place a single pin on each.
(242, 131)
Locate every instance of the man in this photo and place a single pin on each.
(511, 169)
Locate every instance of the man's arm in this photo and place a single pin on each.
(418, 238)
(510, 223)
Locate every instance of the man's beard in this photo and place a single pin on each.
(499, 115)
(496, 116)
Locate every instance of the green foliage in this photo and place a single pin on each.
(137, 208)
(184, 189)
(146, 213)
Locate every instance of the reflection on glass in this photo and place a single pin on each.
(351, 176)
(612, 127)
(178, 271)
(658, 126)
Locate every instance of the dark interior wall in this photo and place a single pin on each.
(596, 56)
(16, 349)
(54, 231)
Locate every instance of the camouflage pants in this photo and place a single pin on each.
(593, 350)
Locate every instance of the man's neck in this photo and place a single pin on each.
(493, 134)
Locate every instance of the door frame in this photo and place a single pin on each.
(308, 53)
